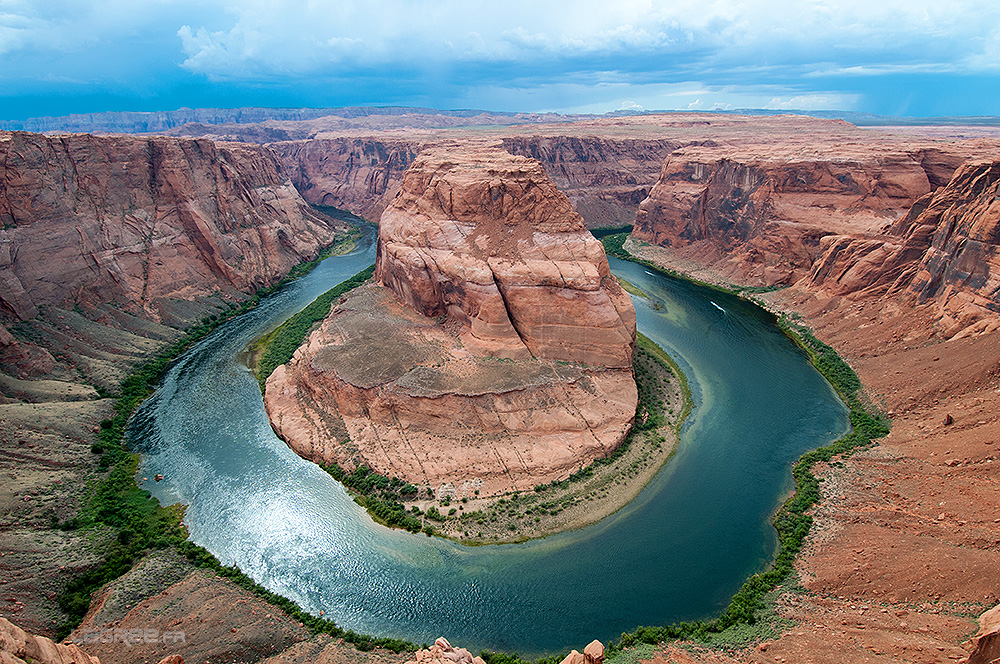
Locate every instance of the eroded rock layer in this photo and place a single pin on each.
(495, 352)
(489, 241)
(761, 218)
(944, 251)
(144, 223)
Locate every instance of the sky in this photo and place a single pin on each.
(893, 57)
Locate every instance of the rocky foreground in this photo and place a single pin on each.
(495, 352)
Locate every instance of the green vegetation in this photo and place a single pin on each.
(632, 288)
(604, 231)
(613, 246)
(278, 346)
(380, 495)
(202, 558)
(649, 413)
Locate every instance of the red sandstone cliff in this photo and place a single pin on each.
(604, 178)
(144, 223)
(943, 251)
(488, 240)
(759, 218)
(497, 353)
(357, 174)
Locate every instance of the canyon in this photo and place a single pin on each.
(881, 240)
(110, 247)
(495, 351)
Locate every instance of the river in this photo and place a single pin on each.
(678, 552)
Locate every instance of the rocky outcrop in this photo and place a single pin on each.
(443, 652)
(18, 647)
(762, 220)
(357, 174)
(605, 179)
(497, 352)
(943, 251)
(144, 223)
(490, 242)
(986, 642)
(592, 654)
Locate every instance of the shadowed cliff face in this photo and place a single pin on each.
(357, 174)
(144, 223)
(944, 251)
(761, 221)
(496, 352)
(604, 179)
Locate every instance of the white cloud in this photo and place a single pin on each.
(279, 36)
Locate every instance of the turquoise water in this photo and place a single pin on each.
(678, 552)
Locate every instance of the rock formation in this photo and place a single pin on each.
(443, 652)
(357, 174)
(604, 178)
(144, 223)
(496, 353)
(18, 647)
(986, 642)
(489, 241)
(760, 218)
(943, 251)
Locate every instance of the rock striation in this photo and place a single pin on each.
(18, 647)
(495, 351)
(604, 178)
(760, 218)
(145, 224)
(360, 174)
(489, 241)
(943, 251)
(986, 642)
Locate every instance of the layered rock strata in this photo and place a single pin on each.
(357, 174)
(943, 251)
(495, 353)
(759, 218)
(18, 647)
(605, 179)
(144, 223)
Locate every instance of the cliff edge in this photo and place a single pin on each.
(495, 350)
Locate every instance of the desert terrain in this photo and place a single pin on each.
(880, 240)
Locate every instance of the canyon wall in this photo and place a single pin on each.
(759, 218)
(605, 178)
(145, 224)
(357, 174)
(943, 251)
(494, 352)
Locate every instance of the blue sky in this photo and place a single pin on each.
(883, 56)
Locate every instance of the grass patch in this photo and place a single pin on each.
(202, 558)
(632, 288)
(278, 346)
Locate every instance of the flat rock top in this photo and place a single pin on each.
(371, 339)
